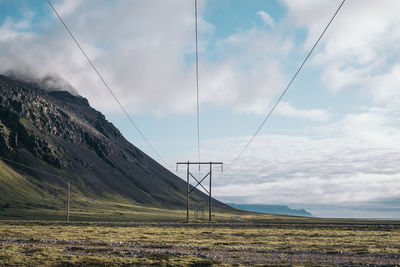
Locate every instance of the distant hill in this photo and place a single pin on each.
(60, 133)
(273, 209)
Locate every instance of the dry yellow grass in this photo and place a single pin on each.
(199, 244)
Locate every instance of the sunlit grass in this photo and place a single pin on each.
(113, 245)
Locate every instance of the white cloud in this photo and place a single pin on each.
(359, 187)
(11, 31)
(348, 161)
(144, 62)
(249, 71)
(66, 8)
(287, 110)
(266, 18)
(385, 87)
(143, 54)
(358, 50)
(376, 127)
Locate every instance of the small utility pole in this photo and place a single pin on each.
(131, 210)
(199, 182)
(68, 199)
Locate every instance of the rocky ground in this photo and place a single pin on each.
(200, 245)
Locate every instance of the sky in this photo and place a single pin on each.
(332, 146)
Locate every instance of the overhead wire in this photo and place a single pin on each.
(197, 92)
(106, 84)
(55, 194)
(31, 168)
(197, 84)
(287, 87)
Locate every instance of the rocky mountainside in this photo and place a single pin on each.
(61, 134)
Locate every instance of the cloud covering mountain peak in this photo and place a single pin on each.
(50, 82)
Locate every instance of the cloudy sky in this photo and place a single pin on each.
(333, 144)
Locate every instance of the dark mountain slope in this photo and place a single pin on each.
(61, 134)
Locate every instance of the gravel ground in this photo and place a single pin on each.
(231, 256)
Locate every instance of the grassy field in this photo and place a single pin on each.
(29, 243)
(23, 198)
(111, 230)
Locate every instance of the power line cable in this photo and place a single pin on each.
(35, 169)
(197, 85)
(106, 85)
(287, 87)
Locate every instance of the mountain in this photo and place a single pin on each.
(272, 209)
(59, 133)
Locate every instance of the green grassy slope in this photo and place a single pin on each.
(17, 192)
(26, 198)
(23, 197)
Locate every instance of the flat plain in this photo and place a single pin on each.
(340, 243)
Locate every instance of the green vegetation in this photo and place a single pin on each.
(198, 244)
(26, 123)
(4, 129)
(29, 199)
(133, 234)
(22, 198)
(16, 190)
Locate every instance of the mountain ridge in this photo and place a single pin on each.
(271, 209)
(60, 133)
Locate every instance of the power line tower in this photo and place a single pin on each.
(199, 182)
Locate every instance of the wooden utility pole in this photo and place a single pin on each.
(68, 199)
(188, 190)
(131, 210)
